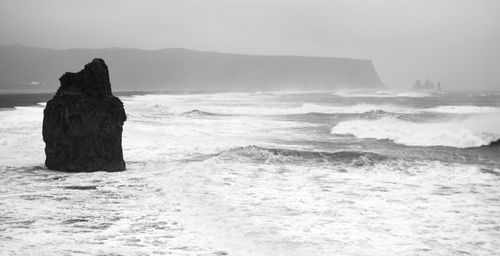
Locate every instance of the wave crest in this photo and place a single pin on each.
(306, 108)
(472, 132)
(197, 113)
(281, 155)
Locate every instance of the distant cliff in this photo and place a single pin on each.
(31, 68)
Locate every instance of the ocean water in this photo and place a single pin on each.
(266, 173)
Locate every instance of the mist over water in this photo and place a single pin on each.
(454, 41)
(267, 173)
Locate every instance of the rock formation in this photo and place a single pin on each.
(82, 124)
(428, 85)
(495, 143)
(188, 70)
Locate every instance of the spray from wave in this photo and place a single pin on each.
(474, 131)
(381, 94)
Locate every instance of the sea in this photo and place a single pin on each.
(266, 173)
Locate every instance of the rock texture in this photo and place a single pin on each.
(82, 124)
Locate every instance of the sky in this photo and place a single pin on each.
(454, 41)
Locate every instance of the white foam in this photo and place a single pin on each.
(486, 94)
(291, 210)
(381, 94)
(352, 109)
(462, 109)
(221, 207)
(307, 108)
(472, 132)
(21, 136)
(246, 106)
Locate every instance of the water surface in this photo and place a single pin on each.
(266, 173)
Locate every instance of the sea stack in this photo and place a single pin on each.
(83, 123)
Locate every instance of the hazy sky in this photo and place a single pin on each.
(455, 41)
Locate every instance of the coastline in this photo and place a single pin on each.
(8, 101)
(20, 99)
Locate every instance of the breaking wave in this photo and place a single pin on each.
(306, 108)
(353, 109)
(363, 109)
(381, 94)
(377, 114)
(310, 108)
(197, 106)
(197, 113)
(281, 155)
(471, 132)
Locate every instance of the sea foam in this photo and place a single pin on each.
(194, 186)
(252, 110)
(381, 94)
(462, 109)
(471, 132)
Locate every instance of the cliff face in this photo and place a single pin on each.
(82, 124)
(186, 70)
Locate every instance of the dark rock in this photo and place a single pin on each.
(82, 124)
(428, 85)
(495, 143)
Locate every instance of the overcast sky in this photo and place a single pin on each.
(454, 41)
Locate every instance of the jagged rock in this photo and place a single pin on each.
(82, 124)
